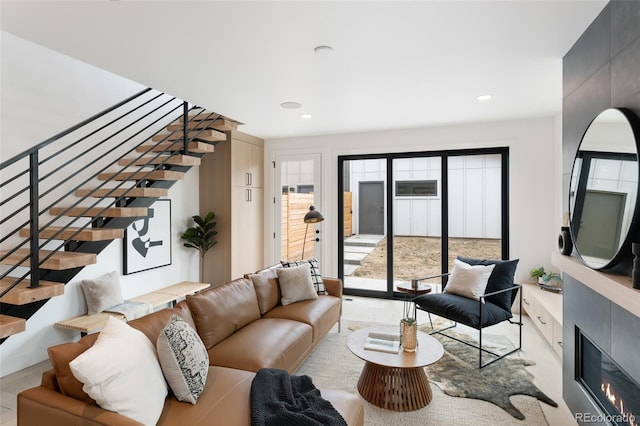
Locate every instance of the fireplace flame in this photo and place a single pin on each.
(609, 394)
(618, 403)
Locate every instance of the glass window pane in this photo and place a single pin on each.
(475, 207)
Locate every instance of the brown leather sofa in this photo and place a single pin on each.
(244, 327)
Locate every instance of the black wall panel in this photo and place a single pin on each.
(625, 16)
(601, 70)
(588, 54)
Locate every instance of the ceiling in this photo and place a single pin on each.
(394, 64)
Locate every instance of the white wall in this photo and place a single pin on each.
(534, 149)
(43, 93)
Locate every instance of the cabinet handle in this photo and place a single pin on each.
(247, 179)
(250, 179)
(540, 319)
(560, 344)
(526, 302)
(248, 195)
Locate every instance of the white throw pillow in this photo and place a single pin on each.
(468, 281)
(184, 359)
(102, 292)
(122, 374)
(316, 276)
(296, 284)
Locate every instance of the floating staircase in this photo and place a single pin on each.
(145, 173)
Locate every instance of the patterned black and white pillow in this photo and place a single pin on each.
(316, 275)
(183, 358)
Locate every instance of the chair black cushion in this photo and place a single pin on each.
(501, 277)
(463, 310)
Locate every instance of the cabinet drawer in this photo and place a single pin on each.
(528, 303)
(544, 322)
(557, 338)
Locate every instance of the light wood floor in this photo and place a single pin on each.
(547, 371)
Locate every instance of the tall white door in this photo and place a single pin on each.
(297, 181)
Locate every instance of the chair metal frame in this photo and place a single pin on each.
(515, 287)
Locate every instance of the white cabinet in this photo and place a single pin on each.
(231, 186)
(545, 310)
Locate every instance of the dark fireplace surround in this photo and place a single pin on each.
(601, 352)
(615, 391)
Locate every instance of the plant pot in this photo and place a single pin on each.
(409, 335)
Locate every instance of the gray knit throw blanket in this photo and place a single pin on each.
(280, 399)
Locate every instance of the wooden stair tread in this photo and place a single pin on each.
(86, 234)
(58, 261)
(175, 160)
(153, 175)
(23, 294)
(209, 135)
(100, 211)
(11, 325)
(123, 192)
(202, 122)
(196, 147)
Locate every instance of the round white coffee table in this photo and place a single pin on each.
(395, 381)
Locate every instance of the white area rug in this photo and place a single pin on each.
(333, 366)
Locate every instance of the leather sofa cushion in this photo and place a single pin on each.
(252, 347)
(321, 314)
(225, 399)
(151, 325)
(267, 291)
(60, 357)
(221, 311)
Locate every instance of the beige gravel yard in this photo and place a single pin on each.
(420, 256)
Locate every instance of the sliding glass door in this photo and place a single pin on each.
(417, 212)
(408, 215)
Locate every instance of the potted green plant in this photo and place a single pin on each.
(201, 236)
(544, 278)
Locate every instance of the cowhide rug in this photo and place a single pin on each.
(457, 374)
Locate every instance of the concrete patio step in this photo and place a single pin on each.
(363, 240)
(354, 258)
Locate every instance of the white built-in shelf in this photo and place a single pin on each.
(616, 288)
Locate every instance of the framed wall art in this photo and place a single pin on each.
(147, 241)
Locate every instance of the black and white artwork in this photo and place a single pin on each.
(147, 241)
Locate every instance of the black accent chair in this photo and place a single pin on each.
(498, 299)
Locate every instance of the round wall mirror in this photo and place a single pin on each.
(603, 192)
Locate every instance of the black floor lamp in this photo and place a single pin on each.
(312, 216)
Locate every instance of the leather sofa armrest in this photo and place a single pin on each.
(40, 405)
(333, 286)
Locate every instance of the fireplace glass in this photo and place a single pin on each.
(617, 394)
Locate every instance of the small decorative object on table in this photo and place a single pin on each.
(635, 272)
(383, 342)
(550, 281)
(409, 328)
(565, 245)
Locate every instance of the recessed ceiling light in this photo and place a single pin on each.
(323, 50)
(484, 97)
(306, 116)
(291, 105)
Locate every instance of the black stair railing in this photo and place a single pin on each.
(32, 179)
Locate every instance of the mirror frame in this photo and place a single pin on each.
(624, 247)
